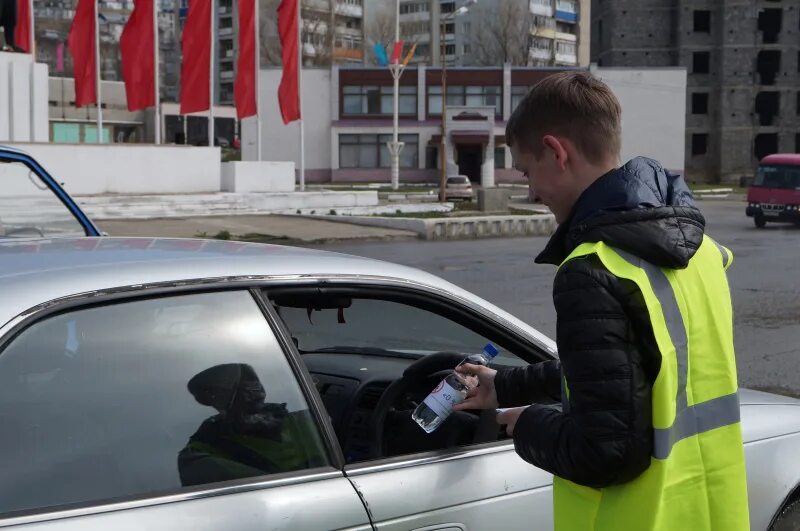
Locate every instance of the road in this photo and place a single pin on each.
(764, 278)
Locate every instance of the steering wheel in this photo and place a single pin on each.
(425, 369)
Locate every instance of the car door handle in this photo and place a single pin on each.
(443, 527)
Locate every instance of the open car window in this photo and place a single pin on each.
(29, 208)
(380, 327)
(374, 355)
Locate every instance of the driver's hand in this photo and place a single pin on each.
(482, 396)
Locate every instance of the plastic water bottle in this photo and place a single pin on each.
(451, 391)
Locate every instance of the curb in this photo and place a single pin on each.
(461, 228)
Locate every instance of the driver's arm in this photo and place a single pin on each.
(522, 386)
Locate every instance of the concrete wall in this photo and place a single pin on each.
(653, 112)
(282, 142)
(246, 177)
(23, 99)
(128, 168)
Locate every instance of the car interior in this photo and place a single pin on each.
(374, 354)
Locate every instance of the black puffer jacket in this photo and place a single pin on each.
(606, 345)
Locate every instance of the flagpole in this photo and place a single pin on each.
(211, 142)
(300, 95)
(33, 35)
(258, 83)
(98, 89)
(156, 72)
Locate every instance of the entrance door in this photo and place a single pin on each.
(470, 159)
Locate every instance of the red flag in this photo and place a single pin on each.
(289, 90)
(81, 42)
(22, 30)
(137, 49)
(196, 66)
(244, 88)
(397, 52)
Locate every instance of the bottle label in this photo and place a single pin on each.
(443, 399)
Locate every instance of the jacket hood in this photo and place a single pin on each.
(640, 208)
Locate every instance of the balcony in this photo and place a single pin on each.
(546, 33)
(541, 7)
(349, 10)
(566, 11)
(539, 54)
(348, 54)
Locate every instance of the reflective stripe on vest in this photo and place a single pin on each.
(689, 420)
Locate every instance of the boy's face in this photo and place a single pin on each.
(549, 177)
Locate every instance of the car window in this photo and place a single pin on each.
(375, 324)
(145, 396)
(356, 348)
(457, 180)
(30, 209)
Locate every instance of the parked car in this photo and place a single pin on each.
(458, 187)
(203, 385)
(774, 195)
(33, 204)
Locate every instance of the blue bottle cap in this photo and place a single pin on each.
(490, 350)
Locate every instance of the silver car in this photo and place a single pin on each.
(194, 385)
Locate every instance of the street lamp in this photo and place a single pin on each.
(443, 55)
(395, 147)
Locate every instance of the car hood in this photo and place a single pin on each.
(749, 397)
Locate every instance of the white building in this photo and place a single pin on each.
(348, 120)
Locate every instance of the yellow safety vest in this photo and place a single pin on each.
(696, 479)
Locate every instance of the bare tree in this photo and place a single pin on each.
(268, 32)
(380, 30)
(502, 35)
(317, 40)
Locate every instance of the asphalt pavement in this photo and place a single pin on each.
(764, 278)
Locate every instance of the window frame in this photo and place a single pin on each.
(346, 139)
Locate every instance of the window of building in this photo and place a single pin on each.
(701, 62)
(450, 49)
(499, 157)
(450, 28)
(769, 24)
(129, 398)
(765, 144)
(767, 107)
(700, 103)
(517, 95)
(699, 144)
(702, 21)
(472, 96)
(372, 100)
(768, 65)
(797, 142)
(448, 7)
(467, 49)
(371, 151)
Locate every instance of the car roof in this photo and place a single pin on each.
(792, 159)
(33, 272)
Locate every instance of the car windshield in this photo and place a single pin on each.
(457, 180)
(787, 177)
(29, 208)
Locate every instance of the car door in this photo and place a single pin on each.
(466, 487)
(176, 412)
